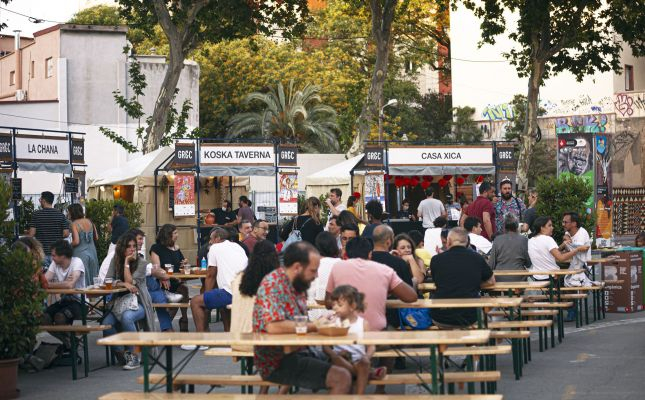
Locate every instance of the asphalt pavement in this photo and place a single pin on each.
(604, 360)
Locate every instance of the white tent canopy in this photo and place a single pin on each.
(128, 174)
(338, 174)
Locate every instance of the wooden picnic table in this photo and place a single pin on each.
(515, 287)
(186, 277)
(437, 340)
(528, 272)
(90, 292)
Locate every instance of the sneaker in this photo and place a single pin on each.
(173, 297)
(133, 362)
(192, 347)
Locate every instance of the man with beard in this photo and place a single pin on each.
(282, 295)
(507, 204)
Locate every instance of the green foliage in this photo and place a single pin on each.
(628, 19)
(99, 212)
(26, 210)
(295, 116)
(100, 14)
(464, 128)
(431, 119)
(566, 193)
(20, 294)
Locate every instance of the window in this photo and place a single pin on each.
(12, 78)
(49, 68)
(629, 77)
(32, 70)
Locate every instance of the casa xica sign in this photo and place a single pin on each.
(463, 155)
(251, 154)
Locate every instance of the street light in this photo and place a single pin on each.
(391, 102)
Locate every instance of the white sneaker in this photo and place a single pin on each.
(192, 347)
(173, 297)
(133, 362)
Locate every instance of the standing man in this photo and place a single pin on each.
(281, 297)
(335, 204)
(48, 225)
(482, 209)
(225, 260)
(430, 209)
(258, 233)
(224, 216)
(118, 225)
(507, 204)
(244, 213)
(453, 210)
(531, 213)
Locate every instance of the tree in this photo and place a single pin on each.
(101, 14)
(553, 36)
(628, 19)
(297, 116)
(433, 118)
(464, 128)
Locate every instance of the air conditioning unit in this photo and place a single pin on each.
(21, 95)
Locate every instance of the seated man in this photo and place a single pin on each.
(282, 295)
(225, 260)
(258, 233)
(347, 233)
(459, 273)
(474, 227)
(64, 272)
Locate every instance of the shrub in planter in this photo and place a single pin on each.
(99, 211)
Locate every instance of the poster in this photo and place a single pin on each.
(576, 157)
(184, 195)
(602, 151)
(288, 194)
(375, 188)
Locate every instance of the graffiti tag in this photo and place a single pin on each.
(582, 124)
(498, 112)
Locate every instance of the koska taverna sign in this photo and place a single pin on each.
(466, 155)
(222, 154)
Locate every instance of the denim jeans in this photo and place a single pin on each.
(127, 324)
(158, 296)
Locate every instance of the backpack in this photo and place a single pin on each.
(417, 319)
(295, 235)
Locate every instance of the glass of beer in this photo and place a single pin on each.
(187, 269)
(108, 283)
(301, 324)
(168, 268)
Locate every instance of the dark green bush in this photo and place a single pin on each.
(566, 193)
(99, 211)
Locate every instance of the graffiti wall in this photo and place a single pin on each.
(630, 105)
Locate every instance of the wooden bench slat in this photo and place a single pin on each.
(75, 328)
(227, 352)
(581, 288)
(562, 304)
(171, 305)
(477, 350)
(520, 324)
(510, 334)
(526, 313)
(308, 396)
(568, 296)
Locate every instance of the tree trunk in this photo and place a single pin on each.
(382, 17)
(530, 127)
(157, 126)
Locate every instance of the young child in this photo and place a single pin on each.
(347, 304)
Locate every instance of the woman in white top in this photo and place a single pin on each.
(543, 250)
(329, 255)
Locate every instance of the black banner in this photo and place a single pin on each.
(505, 154)
(78, 151)
(288, 155)
(185, 155)
(6, 153)
(16, 188)
(374, 157)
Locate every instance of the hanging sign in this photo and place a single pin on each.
(375, 188)
(374, 157)
(224, 154)
(463, 155)
(185, 155)
(288, 155)
(16, 188)
(288, 194)
(184, 195)
(5, 148)
(78, 151)
(505, 154)
(42, 148)
(71, 185)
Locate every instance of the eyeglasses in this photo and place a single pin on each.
(566, 222)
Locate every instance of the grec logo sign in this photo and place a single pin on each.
(374, 156)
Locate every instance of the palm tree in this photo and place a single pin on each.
(299, 117)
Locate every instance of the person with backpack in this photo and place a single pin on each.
(305, 226)
(507, 204)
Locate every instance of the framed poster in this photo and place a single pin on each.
(576, 157)
(184, 196)
(375, 188)
(288, 193)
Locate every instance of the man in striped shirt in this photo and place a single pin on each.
(48, 225)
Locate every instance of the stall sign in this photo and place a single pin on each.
(288, 194)
(16, 188)
(288, 155)
(6, 153)
(184, 195)
(78, 151)
(375, 188)
(42, 148)
(252, 154)
(505, 154)
(184, 155)
(71, 185)
(465, 155)
(374, 157)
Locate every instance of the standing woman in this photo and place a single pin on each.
(403, 247)
(129, 271)
(83, 238)
(351, 207)
(308, 223)
(165, 251)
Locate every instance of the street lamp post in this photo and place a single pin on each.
(391, 102)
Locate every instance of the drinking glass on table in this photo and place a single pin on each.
(301, 324)
(97, 282)
(108, 283)
(168, 268)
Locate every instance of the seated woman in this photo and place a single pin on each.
(164, 252)
(403, 247)
(543, 250)
(129, 271)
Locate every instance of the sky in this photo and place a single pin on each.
(51, 10)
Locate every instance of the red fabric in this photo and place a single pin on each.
(477, 209)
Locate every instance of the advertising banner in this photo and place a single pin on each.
(288, 194)
(223, 154)
(602, 151)
(463, 155)
(576, 157)
(184, 195)
(375, 188)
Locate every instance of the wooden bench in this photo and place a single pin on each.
(450, 351)
(543, 304)
(171, 305)
(525, 314)
(74, 330)
(308, 396)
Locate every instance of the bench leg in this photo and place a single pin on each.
(86, 356)
(553, 323)
(516, 358)
(74, 355)
(587, 310)
(540, 340)
(169, 377)
(146, 369)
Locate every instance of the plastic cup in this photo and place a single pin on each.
(97, 282)
(301, 324)
(187, 269)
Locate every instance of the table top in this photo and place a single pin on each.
(531, 272)
(501, 286)
(310, 339)
(482, 302)
(86, 291)
(186, 277)
(310, 396)
(599, 260)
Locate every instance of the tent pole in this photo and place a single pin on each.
(277, 196)
(156, 198)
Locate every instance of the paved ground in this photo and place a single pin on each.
(600, 361)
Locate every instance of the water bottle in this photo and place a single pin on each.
(204, 264)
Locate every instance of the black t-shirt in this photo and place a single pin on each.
(167, 256)
(308, 228)
(223, 217)
(458, 274)
(119, 227)
(403, 271)
(369, 231)
(529, 216)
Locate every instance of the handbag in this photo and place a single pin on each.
(125, 303)
(295, 235)
(416, 319)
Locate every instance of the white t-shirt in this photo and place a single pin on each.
(430, 209)
(481, 243)
(540, 248)
(340, 207)
(432, 239)
(318, 288)
(230, 260)
(581, 238)
(61, 275)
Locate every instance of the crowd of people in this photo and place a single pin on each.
(268, 285)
